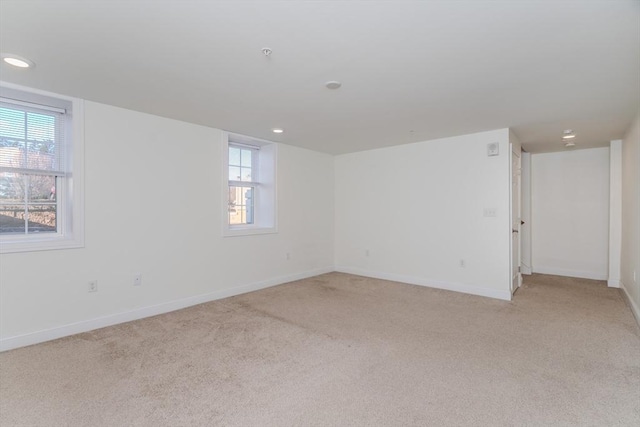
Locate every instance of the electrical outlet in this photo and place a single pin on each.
(92, 286)
(490, 212)
(462, 263)
(288, 256)
(366, 252)
(137, 279)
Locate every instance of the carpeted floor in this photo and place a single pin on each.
(343, 350)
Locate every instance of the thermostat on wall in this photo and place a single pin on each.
(492, 149)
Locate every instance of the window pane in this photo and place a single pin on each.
(27, 196)
(234, 156)
(42, 218)
(12, 218)
(12, 153)
(42, 204)
(240, 205)
(42, 188)
(28, 140)
(40, 127)
(234, 173)
(12, 202)
(240, 164)
(245, 174)
(41, 155)
(12, 124)
(36, 155)
(246, 158)
(12, 187)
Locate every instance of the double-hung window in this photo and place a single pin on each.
(250, 186)
(243, 173)
(40, 204)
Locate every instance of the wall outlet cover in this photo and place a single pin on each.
(490, 212)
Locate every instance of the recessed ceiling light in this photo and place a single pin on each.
(277, 130)
(568, 134)
(333, 84)
(17, 61)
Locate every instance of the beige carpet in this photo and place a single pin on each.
(342, 350)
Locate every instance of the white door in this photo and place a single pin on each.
(516, 277)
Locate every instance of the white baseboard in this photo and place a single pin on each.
(140, 313)
(570, 273)
(613, 283)
(450, 286)
(634, 307)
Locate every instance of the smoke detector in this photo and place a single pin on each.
(266, 51)
(333, 84)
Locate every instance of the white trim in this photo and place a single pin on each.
(32, 105)
(634, 307)
(513, 151)
(241, 145)
(140, 313)
(248, 230)
(570, 273)
(52, 102)
(525, 229)
(612, 283)
(429, 283)
(265, 203)
(41, 172)
(615, 211)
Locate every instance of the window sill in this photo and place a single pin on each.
(8, 246)
(247, 231)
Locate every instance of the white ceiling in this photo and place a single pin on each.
(411, 70)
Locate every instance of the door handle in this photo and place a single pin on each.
(514, 231)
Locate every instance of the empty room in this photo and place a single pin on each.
(319, 213)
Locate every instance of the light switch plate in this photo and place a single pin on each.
(493, 149)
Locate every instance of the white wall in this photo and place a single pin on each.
(570, 213)
(630, 253)
(153, 205)
(412, 212)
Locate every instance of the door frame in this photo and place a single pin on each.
(515, 225)
(526, 266)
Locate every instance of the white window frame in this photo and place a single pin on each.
(264, 167)
(69, 192)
